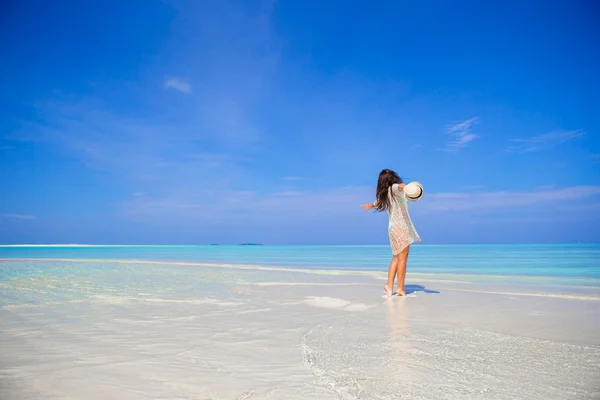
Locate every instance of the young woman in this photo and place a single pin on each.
(390, 197)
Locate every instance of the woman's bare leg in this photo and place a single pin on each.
(401, 266)
(389, 288)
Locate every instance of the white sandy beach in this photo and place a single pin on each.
(80, 330)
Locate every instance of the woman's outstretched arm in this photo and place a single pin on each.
(368, 206)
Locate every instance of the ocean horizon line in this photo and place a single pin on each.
(292, 245)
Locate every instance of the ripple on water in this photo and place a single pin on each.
(441, 362)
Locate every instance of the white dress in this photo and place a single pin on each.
(401, 230)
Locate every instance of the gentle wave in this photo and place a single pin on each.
(112, 299)
(204, 264)
(535, 294)
(437, 277)
(430, 277)
(423, 361)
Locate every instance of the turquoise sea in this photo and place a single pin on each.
(499, 322)
(571, 263)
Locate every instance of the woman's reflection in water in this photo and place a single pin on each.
(399, 336)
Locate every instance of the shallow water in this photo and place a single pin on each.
(136, 330)
(419, 360)
(576, 263)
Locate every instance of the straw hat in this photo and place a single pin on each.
(413, 191)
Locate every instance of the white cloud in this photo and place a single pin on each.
(178, 84)
(237, 206)
(17, 216)
(248, 207)
(164, 147)
(544, 141)
(503, 200)
(462, 134)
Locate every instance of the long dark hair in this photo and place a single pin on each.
(387, 178)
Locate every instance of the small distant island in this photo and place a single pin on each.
(241, 244)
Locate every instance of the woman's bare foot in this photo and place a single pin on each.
(400, 292)
(390, 292)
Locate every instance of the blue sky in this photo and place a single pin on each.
(197, 122)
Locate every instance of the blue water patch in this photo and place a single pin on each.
(41, 282)
(575, 261)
